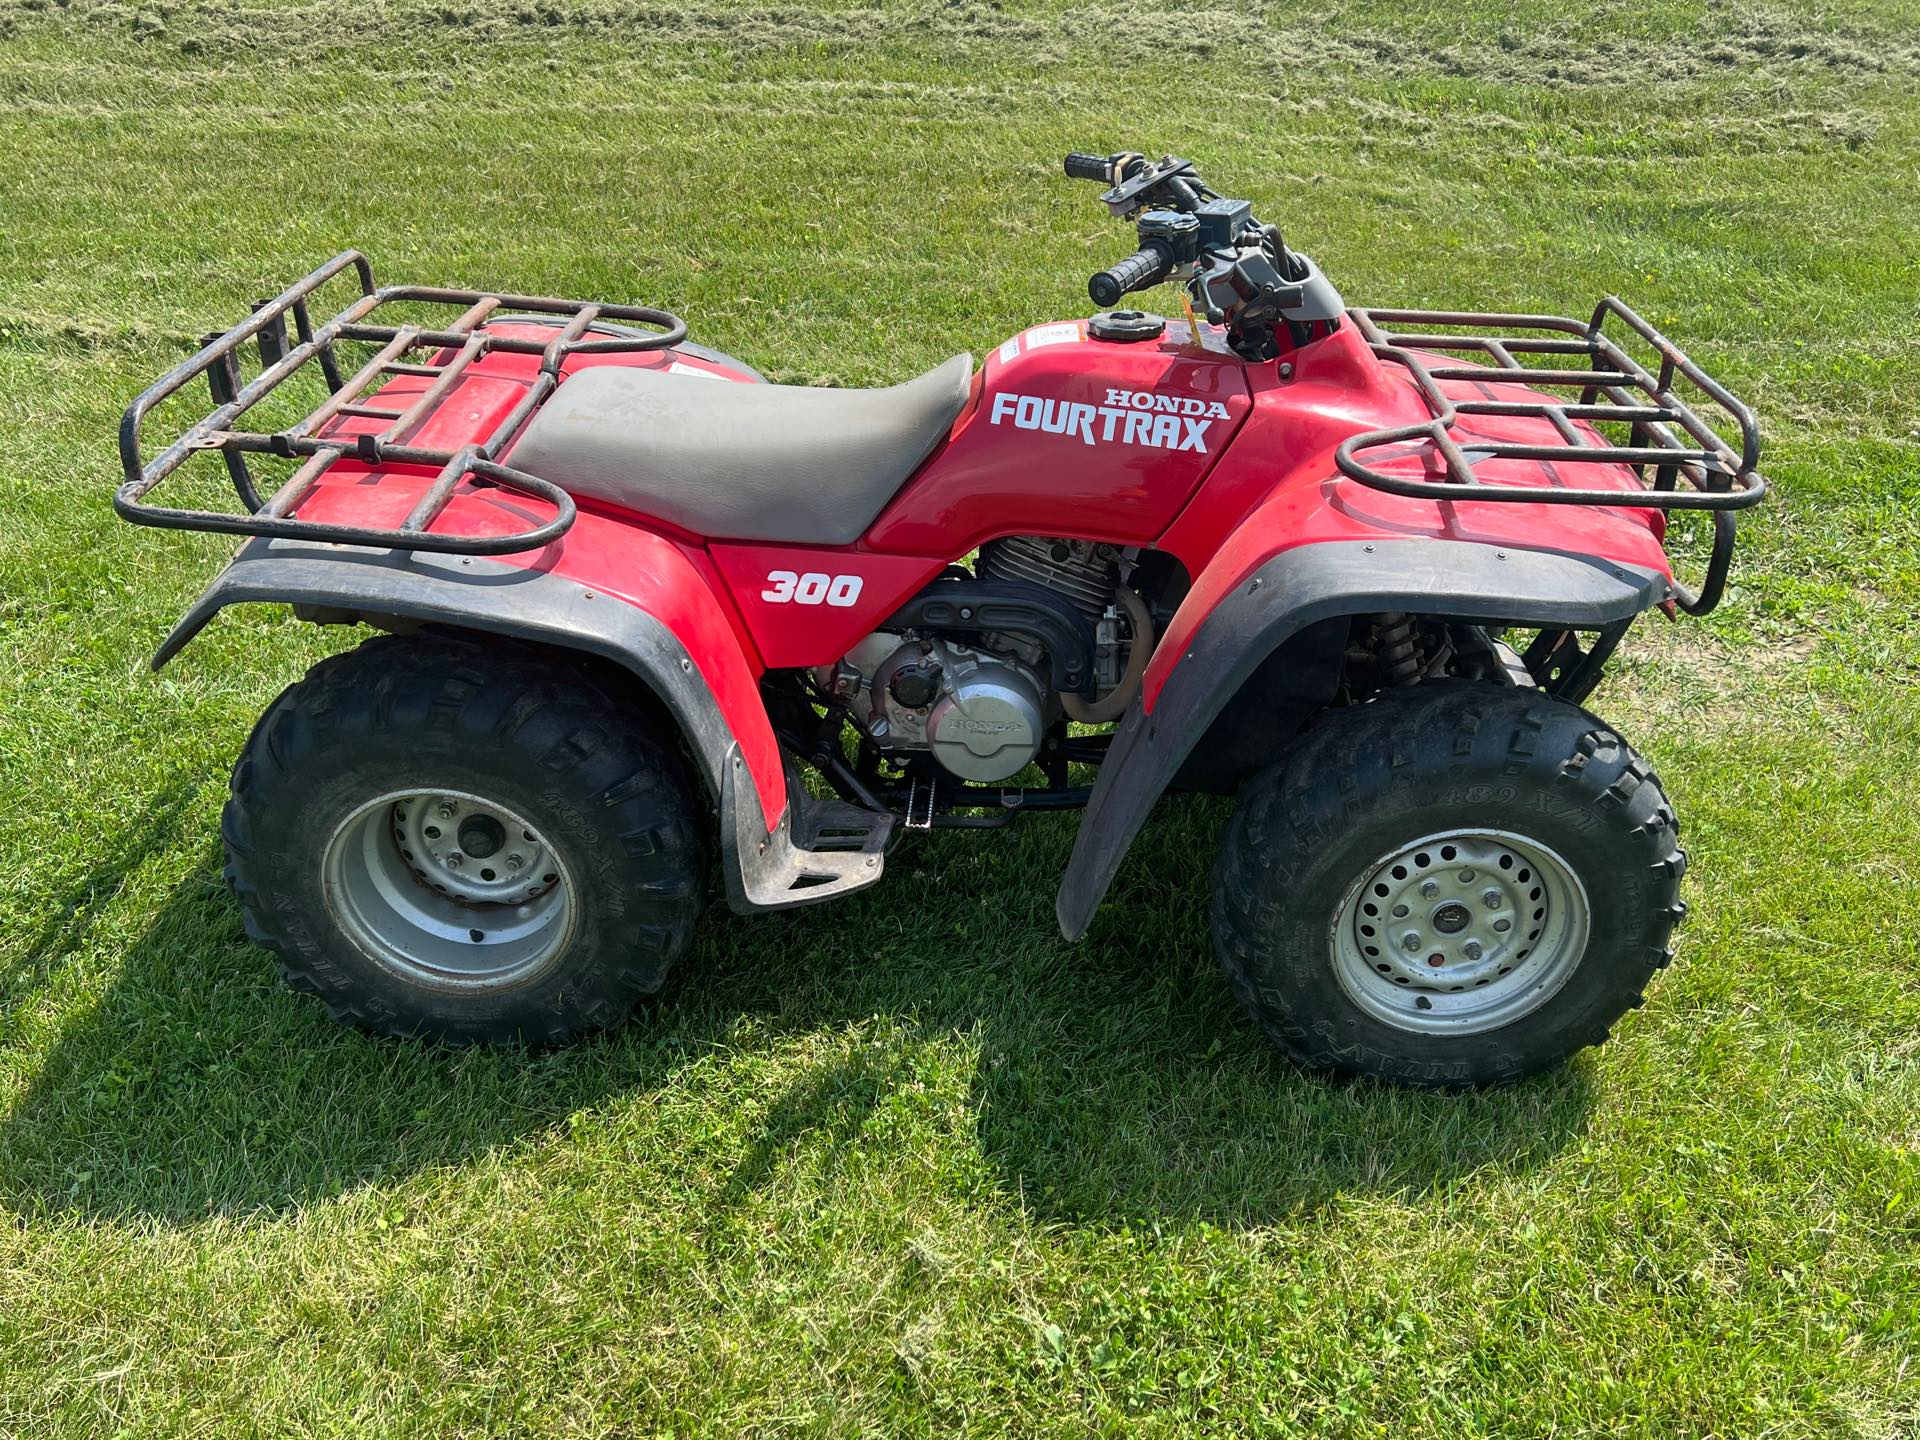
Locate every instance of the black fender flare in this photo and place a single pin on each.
(343, 584)
(1458, 578)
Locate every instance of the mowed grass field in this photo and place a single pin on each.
(910, 1165)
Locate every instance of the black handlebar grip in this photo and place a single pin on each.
(1142, 270)
(1090, 167)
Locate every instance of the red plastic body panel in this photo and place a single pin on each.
(1246, 516)
(627, 564)
(1090, 439)
(808, 606)
(1170, 444)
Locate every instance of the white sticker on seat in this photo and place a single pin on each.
(1010, 351)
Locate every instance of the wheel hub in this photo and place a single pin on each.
(471, 851)
(449, 890)
(1460, 932)
(481, 836)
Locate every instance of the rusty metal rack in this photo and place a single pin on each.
(1721, 476)
(580, 327)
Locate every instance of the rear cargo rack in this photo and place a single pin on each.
(580, 327)
(1613, 387)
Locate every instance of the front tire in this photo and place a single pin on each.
(464, 842)
(1452, 885)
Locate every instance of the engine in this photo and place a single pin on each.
(981, 703)
(1081, 570)
(982, 716)
(1086, 573)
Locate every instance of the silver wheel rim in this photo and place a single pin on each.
(448, 889)
(1460, 933)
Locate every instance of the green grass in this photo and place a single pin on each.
(909, 1165)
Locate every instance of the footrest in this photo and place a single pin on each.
(821, 849)
(836, 825)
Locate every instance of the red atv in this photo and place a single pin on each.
(1358, 567)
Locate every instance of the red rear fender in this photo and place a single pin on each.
(653, 604)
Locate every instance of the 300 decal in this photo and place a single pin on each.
(813, 588)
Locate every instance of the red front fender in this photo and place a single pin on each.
(1224, 632)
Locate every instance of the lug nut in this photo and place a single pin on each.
(446, 809)
(455, 859)
(1429, 888)
(1411, 942)
(514, 862)
(1491, 899)
(1472, 950)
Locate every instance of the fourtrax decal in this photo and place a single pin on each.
(1129, 417)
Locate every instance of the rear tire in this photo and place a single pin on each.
(1357, 895)
(464, 842)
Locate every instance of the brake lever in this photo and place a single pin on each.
(1132, 195)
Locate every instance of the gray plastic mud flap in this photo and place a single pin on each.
(820, 850)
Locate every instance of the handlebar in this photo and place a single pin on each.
(1142, 270)
(1237, 272)
(1135, 184)
(1098, 168)
(1113, 170)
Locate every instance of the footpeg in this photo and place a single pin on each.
(819, 849)
(919, 818)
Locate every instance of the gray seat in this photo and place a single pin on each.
(741, 462)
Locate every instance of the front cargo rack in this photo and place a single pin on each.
(318, 442)
(1721, 475)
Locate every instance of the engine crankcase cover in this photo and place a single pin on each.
(989, 724)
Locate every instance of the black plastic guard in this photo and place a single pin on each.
(1294, 589)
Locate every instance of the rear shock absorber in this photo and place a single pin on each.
(1393, 643)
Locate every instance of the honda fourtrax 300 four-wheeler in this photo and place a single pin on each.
(1357, 567)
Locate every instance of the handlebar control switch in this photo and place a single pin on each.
(1173, 232)
(1126, 326)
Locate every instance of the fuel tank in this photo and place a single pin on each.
(1069, 434)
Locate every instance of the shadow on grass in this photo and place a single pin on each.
(1114, 1082)
(69, 922)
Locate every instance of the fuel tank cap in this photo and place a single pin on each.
(1126, 326)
